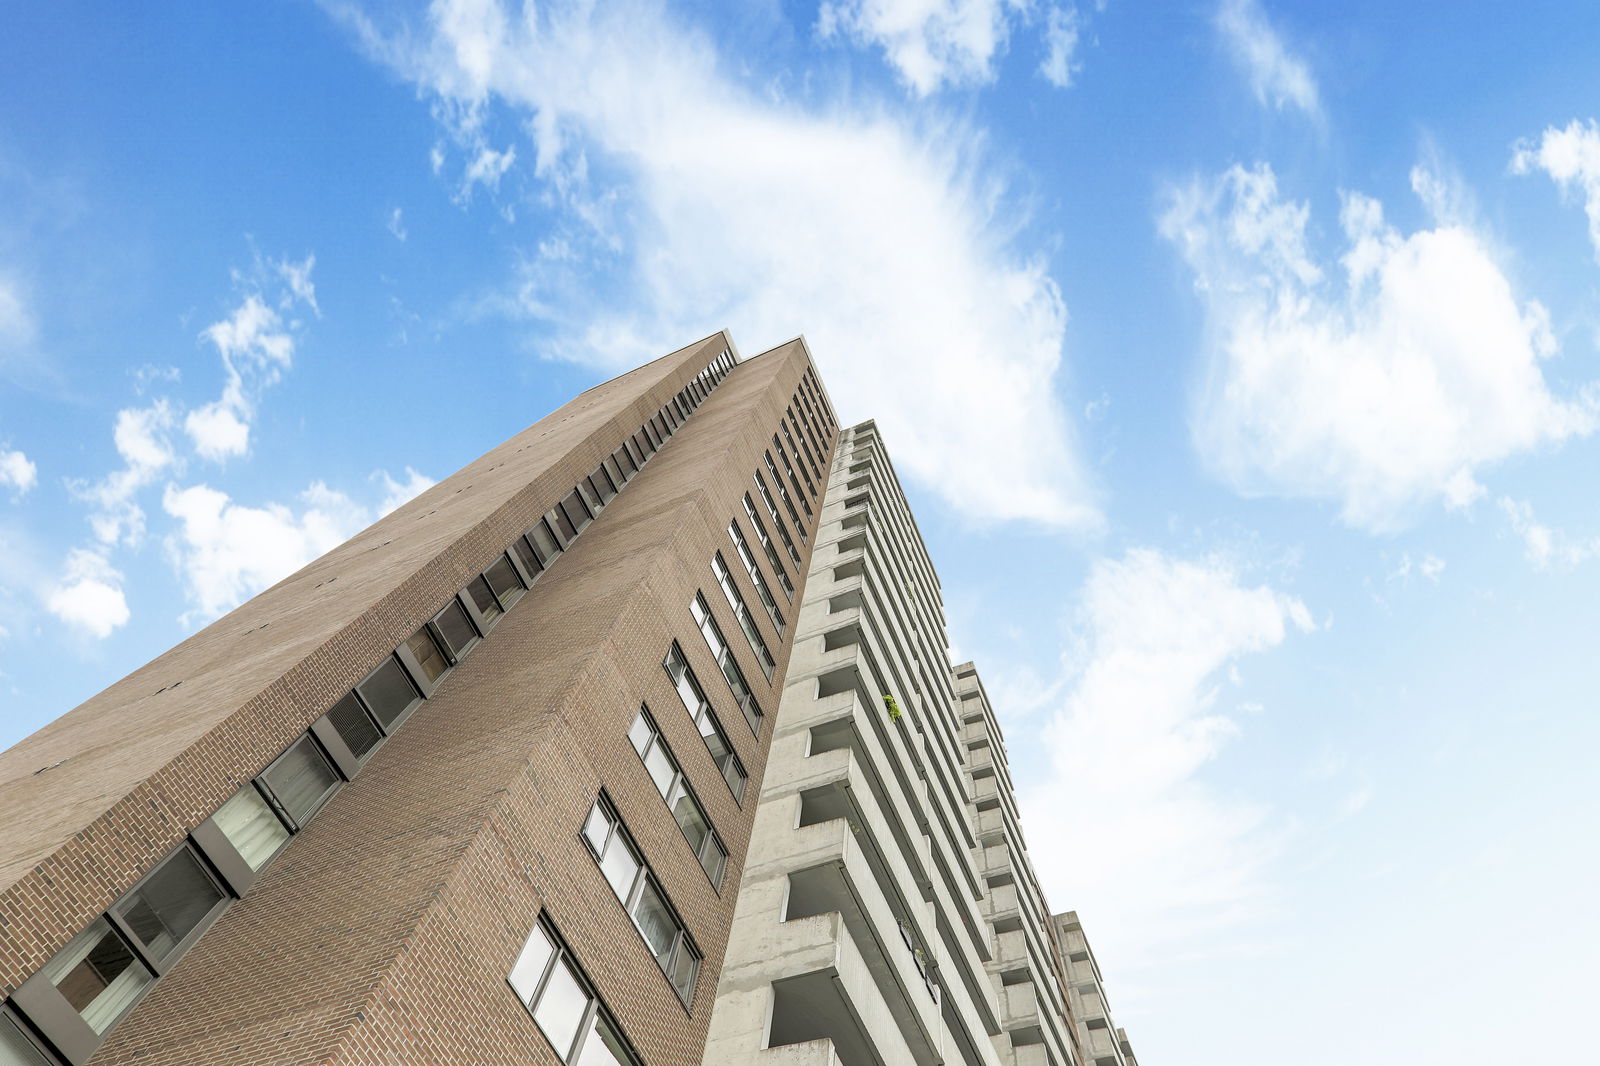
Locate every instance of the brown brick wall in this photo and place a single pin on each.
(384, 932)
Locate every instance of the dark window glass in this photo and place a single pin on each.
(430, 657)
(651, 435)
(456, 629)
(483, 597)
(170, 904)
(388, 692)
(300, 780)
(15, 1048)
(624, 460)
(544, 542)
(591, 494)
(563, 524)
(661, 427)
(354, 726)
(576, 510)
(632, 447)
(527, 556)
(614, 473)
(98, 975)
(503, 579)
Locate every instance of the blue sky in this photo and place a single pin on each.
(1240, 359)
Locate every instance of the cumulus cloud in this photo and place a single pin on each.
(1061, 28)
(1544, 547)
(1158, 640)
(882, 242)
(1571, 156)
(143, 439)
(17, 471)
(1385, 393)
(89, 594)
(1279, 78)
(256, 343)
(928, 42)
(226, 552)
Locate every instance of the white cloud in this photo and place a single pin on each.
(1544, 547)
(1062, 26)
(1428, 566)
(256, 343)
(226, 552)
(396, 493)
(89, 595)
(17, 470)
(142, 437)
(1172, 855)
(905, 278)
(1278, 77)
(1571, 156)
(1384, 394)
(18, 329)
(929, 42)
(397, 225)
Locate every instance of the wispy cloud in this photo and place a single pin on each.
(1279, 78)
(17, 470)
(929, 43)
(1062, 26)
(1546, 548)
(397, 224)
(1158, 637)
(907, 278)
(1571, 156)
(1384, 394)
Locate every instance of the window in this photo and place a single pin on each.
(624, 460)
(705, 719)
(788, 501)
(674, 788)
(528, 557)
(576, 510)
(548, 981)
(777, 522)
(562, 524)
(354, 726)
(614, 472)
(299, 781)
(388, 693)
(504, 581)
(744, 617)
(724, 656)
(766, 545)
(641, 896)
(168, 905)
(484, 600)
(544, 543)
(455, 630)
(98, 975)
(16, 1049)
(428, 656)
(756, 578)
(251, 827)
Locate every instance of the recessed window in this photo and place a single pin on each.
(705, 719)
(455, 629)
(388, 692)
(299, 781)
(777, 522)
(527, 557)
(563, 524)
(577, 512)
(548, 981)
(747, 621)
(624, 460)
(504, 582)
(724, 656)
(169, 904)
(16, 1049)
(642, 898)
(681, 801)
(614, 472)
(483, 598)
(98, 975)
(251, 827)
(544, 542)
(354, 726)
(429, 657)
(767, 547)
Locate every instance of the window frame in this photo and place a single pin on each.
(594, 1012)
(680, 780)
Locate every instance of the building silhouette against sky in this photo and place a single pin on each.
(634, 741)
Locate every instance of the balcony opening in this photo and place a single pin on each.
(813, 1008)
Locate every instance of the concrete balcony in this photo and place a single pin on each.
(1010, 950)
(994, 860)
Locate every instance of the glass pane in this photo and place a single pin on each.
(456, 629)
(98, 975)
(640, 733)
(662, 771)
(563, 524)
(18, 1050)
(545, 542)
(614, 473)
(690, 820)
(432, 661)
(530, 965)
(484, 600)
(684, 971)
(388, 692)
(527, 557)
(251, 827)
(170, 903)
(576, 509)
(650, 914)
(602, 1047)
(733, 774)
(598, 829)
(353, 725)
(560, 1010)
(715, 859)
(503, 579)
(300, 780)
(625, 461)
(619, 866)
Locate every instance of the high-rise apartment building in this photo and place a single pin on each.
(635, 741)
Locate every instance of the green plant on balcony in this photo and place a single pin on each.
(894, 708)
